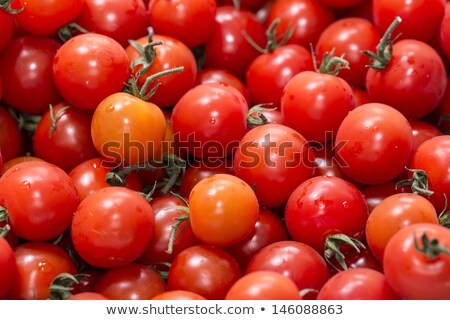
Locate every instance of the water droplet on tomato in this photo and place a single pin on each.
(345, 204)
(109, 108)
(45, 266)
(26, 184)
(212, 120)
(374, 128)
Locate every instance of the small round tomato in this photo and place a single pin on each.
(444, 34)
(88, 296)
(207, 271)
(223, 210)
(130, 282)
(191, 22)
(294, 260)
(422, 131)
(15, 161)
(323, 206)
(417, 262)
(357, 284)
(10, 137)
(7, 27)
(374, 143)
(128, 130)
(112, 227)
(433, 156)
(38, 263)
(219, 124)
(394, 213)
(40, 199)
(90, 176)
(275, 160)
(178, 295)
(27, 65)
(102, 68)
(45, 17)
(121, 20)
(7, 267)
(63, 137)
(376, 193)
(263, 285)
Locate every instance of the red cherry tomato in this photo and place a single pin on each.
(178, 295)
(7, 267)
(7, 27)
(422, 131)
(88, 296)
(10, 137)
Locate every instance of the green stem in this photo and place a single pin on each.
(430, 247)
(54, 118)
(418, 182)
(256, 118)
(329, 63)
(176, 225)
(67, 32)
(444, 216)
(332, 249)
(237, 4)
(6, 5)
(150, 79)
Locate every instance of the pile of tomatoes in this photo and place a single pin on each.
(218, 149)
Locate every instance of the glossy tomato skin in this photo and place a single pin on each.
(308, 17)
(118, 19)
(10, 137)
(102, 69)
(444, 32)
(402, 262)
(323, 206)
(252, 5)
(340, 4)
(268, 74)
(7, 267)
(223, 210)
(350, 36)
(276, 159)
(263, 285)
(45, 17)
(375, 142)
(422, 131)
(126, 129)
(207, 271)
(40, 198)
(178, 295)
(314, 104)
(27, 65)
(112, 227)
(88, 296)
(219, 124)
(394, 213)
(7, 27)
(130, 282)
(165, 217)
(268, 229)
(38, 263)
(70, 143)
(90, 176)
(294, 260)
(191, 22)
(413, 82)
(361, 97)
(433, 156)
(420, 18)
(172, 53)
(375, 194)
(227, 48)
(357, 284)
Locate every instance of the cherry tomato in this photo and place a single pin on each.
(45, 17)
(349, 36)
(126, 129)
(90, 176)
(227, 47)
(413, 82)
(323, 206)
(433, 156)
(10, 137)
(219, 124)
(263, 285)
(130, 282)
(268, 74)
(444, 32)
(412, 273)
(40, 199)
(342, 3)
(66, 139)
(172, 53)
(421, 18)
(252, 5)
(422, 131)
(223, 210)
(207, 271)
(394, 213)
(361, 97)
(376, 193)
(121, 20)
(165, 217)
(191, 22)
(275, 160)
(315, 104)
(27, 64)
(178, 295)
(268, 229)
(7, 267)
(112, 227)
(357, 284)
(88, 296)
(327, 164)
(374, 142)
(102, 68)
(308, 18)
(362, 259)
(38, 263)
(7, 27)
(294, 260)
